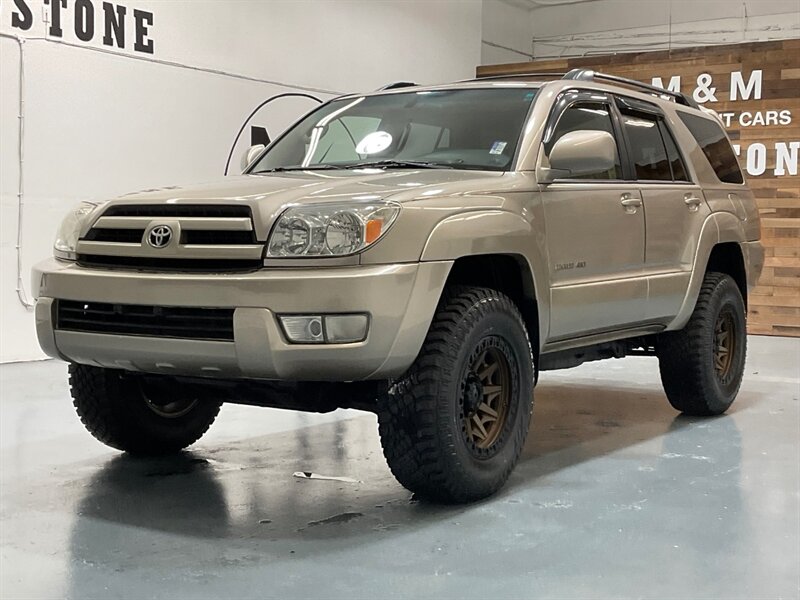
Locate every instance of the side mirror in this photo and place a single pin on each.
(251, 154)
(579, 153)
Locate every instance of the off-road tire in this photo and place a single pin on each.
(421, 423)
(687, 357)
(113, 409)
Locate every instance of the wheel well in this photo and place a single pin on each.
(507, 273)
(727, 258)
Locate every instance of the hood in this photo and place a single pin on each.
(268, 195)
(320, 186)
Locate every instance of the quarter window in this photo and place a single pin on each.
(593, 116)
(675, 161)
(715, 145)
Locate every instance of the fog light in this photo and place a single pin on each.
(303, 329)
(341, 329)
(321, 329)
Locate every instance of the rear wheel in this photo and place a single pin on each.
(141, 416)
(702, 365)
(453, 426)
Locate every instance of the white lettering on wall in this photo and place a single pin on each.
(757, 159)
(674, 84)
(705, 91)
(753, 85)
(787, 158)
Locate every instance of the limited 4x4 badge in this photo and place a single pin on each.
(570, 265)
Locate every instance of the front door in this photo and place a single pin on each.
(595, 239)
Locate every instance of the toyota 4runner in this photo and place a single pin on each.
(422, 253)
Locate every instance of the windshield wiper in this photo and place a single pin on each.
(398, 164)
(297, 168)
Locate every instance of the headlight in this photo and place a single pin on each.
(70, 229)
(330, 229)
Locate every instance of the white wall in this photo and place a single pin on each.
(102, 124)
(507, 35)
(584, 27)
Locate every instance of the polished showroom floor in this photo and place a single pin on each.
(616, 496)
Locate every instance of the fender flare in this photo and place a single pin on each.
(718, 228)
(493, 231)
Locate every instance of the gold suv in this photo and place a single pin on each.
(421, 253)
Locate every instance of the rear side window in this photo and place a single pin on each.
(648, 152)
(711, 139)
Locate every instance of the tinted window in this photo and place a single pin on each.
(593, 116)
(711, 139)
(648, 153)
(678, 168)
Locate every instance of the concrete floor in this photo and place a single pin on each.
(616, 496)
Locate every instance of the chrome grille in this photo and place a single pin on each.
(178, 210)
(205, 237)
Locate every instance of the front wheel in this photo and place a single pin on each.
(130, 413)
(452, 428)
(702, 365)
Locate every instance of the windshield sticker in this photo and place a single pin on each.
(375, 142)
(498, 147)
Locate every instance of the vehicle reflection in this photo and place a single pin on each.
(240, 504)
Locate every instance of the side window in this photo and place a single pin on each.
(675, 160)
(593, 116)
(712, 141)
(648, 152)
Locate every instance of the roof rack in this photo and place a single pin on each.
(516, 76)
(589, 75)
(396, 85)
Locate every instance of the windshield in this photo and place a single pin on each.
(457, 129)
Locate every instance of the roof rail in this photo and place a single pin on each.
(396, 85)
(589, 75)
(515, 76)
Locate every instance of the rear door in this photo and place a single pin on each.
(595, 233)
(674, 206)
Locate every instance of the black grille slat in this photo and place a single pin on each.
(199, 265)
(151, 321)
(65, 311)
(217, 237)
(119, 236)
(142, 329)
(178, 210)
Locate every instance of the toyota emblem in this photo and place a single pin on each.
(160, 236)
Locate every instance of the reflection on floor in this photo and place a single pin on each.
(616, 496)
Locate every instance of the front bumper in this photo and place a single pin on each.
(400, 300)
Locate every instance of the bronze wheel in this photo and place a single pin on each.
(146, 415)
(486, 394)
(171, 409)
(702, 365)
(724, 343)
(164, 401)
(452, 428)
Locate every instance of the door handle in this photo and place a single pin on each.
(630, 203)
(693, 202)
